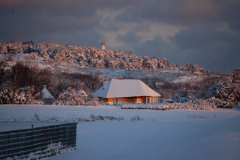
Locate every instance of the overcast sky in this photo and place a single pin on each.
(202, 32)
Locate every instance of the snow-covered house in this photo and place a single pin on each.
(126, 91)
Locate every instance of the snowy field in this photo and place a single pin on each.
(138, 134)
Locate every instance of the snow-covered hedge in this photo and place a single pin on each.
(93, 103)
(190, 103)
(144, 106)
(38, 101)
(71, 98)
(198, 104)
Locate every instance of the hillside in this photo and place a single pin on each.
(102, 63)
(90, 57)
(73, 66)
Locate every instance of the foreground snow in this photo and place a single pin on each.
(157, 134)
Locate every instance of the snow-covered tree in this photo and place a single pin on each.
(70, 97)
(223, 94)
(17, 96)
(180, 99)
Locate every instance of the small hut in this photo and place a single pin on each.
(46, 95)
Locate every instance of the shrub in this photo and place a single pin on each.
(16, 96)
(71, 98)
(93, 103)
(180, 99)
(223, 94)
(198, 104)
(24, 75)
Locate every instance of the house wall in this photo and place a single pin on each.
(144, 100)
(138, 100)
(151, 100)
(128, 100)
(108, 100)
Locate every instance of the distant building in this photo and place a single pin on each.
(126, 91)
(46, 95)
(103, 46)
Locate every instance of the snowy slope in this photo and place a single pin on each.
(59, 67)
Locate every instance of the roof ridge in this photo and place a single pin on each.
(109, 87)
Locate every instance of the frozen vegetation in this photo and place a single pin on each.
(144, 106)
(108, 132)
(190, 103)
(71, 98)
(87, 57)
(26, 67)
(224, 94)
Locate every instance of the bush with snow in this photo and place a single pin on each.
(197, 104)
(93, 103)
(180, 99)
(223, 94)
(16, 96)
(33, 56)
(38, 102)
(144, 106)
(190, 103)
(71, 98)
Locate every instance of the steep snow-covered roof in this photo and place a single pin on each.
(125, 88)
(46, 94)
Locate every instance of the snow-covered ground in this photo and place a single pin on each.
(140, 134)
(186, 79)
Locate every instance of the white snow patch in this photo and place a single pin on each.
(81, 92)
(186, 79)
(173, 134)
